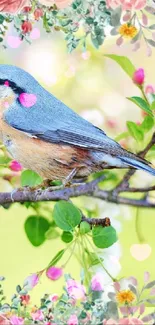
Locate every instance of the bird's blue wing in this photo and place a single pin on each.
(52, 121)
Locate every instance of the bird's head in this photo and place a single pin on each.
(13, 82)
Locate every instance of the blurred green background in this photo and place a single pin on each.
(96, 88)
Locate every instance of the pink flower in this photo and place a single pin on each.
(15, 166)
(130, 321)
(59, 3)
(26, 27)
(25, 299)
(31, 281)
(139, 76)
(97, 282)
(75, 289)
(54, 273)
(12, 6)
(149, 89)
(73, 320)
(15, 320)
(4, 320)
(54, 297)
(110, 322)
(126, 4)
(37, 315)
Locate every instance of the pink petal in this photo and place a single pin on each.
(27, 100)
(153, 36)
(117, 286)
(142, 309)
(149, 51)
(133, 280)
(144, 19)
(146, 277)
(119, 41)
(152, 292)
(136, 46)
(127, 16)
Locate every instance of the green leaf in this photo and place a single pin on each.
(148, 123)
(153, 105)
(150, 285)
(151, 42)
(104, 237)
(93, 258)
(97, 37)
(124, 62)
(67, 236)
(56, 258)
(135, 131)
(152, 27)
(30, 178)
(116, 16)
(35, 228)
(66, 215)
(2, 18)
(140, 102)
(84, 227)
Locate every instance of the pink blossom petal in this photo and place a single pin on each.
(73, 320)
(35, 34)
(6, 83)
(144, 19)
(127, 16)
(14, 41)
(136, 46)
(148, 51)
(54, 273)
(152, 292)
(146, 277)
(141, 309)
(124, 310)
(153, 36)
(149, 89)
(119, 41)
(27, 100)
(133, 280)
(117, 286)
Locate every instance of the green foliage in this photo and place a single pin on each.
(104, 237)
(124, 62)
(141, 103)
(56, 258)
(66, 215)
(147, 124)
(67, 236)
(36, 228)
(30, 178)
(135, 131)
(84, 227)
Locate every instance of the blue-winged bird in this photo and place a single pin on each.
(46, 136)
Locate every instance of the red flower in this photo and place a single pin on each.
(13, 6)
(26, 27)
(38, 13)
(25, 299)
(15, 166)
(27, 9)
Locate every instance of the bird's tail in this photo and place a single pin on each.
(138, 163)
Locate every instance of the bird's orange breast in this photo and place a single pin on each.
(51, 161)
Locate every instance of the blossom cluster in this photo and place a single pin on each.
(80, 21)
(123, 303)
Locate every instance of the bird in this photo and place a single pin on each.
(48, 137)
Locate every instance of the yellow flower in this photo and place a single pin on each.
(125, 296)
(128, 31)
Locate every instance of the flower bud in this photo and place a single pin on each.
(15, 166)
(54, 273)
(26, 27)
(139, 76)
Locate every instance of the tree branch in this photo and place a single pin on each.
(90, 189)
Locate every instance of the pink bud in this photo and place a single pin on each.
(54, 297)
(73, 320)
(15, 166)
(97, 282)
(31, 281)
(149, 89)
(138, 77)
(37, 315)
(6, 83)
(15, 320)
(54, 273)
